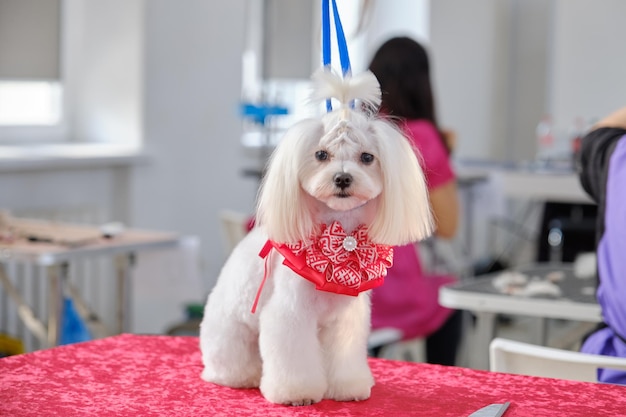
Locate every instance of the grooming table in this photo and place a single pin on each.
(577, 302)
(132, 375)
(52, 246)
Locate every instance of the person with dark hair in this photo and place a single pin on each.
(602, 171)
(408, 300)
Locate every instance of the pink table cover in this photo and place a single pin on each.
(131, 375)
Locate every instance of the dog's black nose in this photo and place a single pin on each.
(342, 180)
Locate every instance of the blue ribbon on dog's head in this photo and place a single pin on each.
(342, 45)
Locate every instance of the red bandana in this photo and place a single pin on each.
(336, 262)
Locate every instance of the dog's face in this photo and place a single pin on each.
(349, 166)
(343, 169)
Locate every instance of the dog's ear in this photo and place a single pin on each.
(405, 214)
(281, 205)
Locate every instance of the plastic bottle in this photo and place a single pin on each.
(545, 138)
(576, 135)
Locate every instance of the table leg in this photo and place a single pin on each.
(469, 225)
(485, 332)
(95, 325)
(57, 276)
(25, 313)
(539, 333)
(123, 265)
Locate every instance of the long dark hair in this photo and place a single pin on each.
(403, 71)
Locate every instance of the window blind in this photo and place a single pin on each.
(29, 39)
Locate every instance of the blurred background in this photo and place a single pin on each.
(161, 114)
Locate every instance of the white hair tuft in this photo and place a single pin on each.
(364, 87)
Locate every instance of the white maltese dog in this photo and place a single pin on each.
(339, 191)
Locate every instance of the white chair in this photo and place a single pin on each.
(388, 344)
(233, 225)
(413, 350)
(515, 357)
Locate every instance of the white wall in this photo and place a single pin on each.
(467, 73)
(102, 70)
(491, 69)
(192, 84)
(84, 189)
(501, 64)
(589, 59)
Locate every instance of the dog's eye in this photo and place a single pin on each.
(321, 155)
(367, 158)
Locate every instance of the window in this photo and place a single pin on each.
(30, 82)
(65, 77)
(30, 103)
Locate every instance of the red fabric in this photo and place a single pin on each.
(434, 157)
(333, 268)
(131, 375)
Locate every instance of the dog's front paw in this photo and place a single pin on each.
(307, 401)
(233, 380)
(305, 392)
(352, 388)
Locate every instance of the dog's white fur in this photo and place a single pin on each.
(303, 345)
